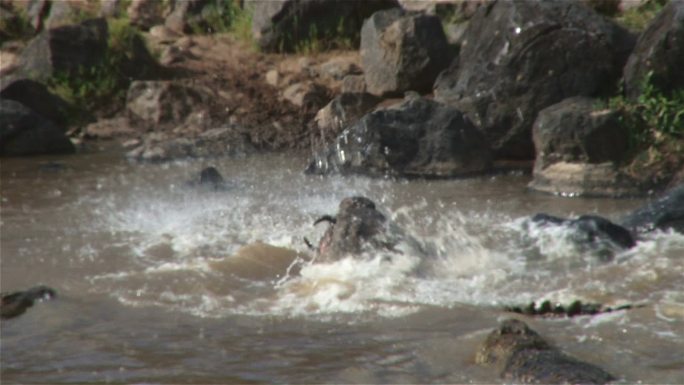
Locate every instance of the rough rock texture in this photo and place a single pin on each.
(419, 138)
(224, 141)
(353, 84)
(61, 13)
(660, 49)
(521, 355)
(402, 51)
(24, 132)
(153, 104)
(36, 97)
(520, 57)
(665, 213)
(65, 50)
(575, 131)
(283, 25)
(343, 110)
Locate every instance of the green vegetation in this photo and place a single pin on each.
(655, 122)
(14, 25)
(224, 16)
(104, 86)
(636, 19)
(653, 116)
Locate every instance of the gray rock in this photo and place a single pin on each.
(283, 25)
(24, 132)
(402, 51)
(576, 131)
(65, 50)
(111, 8)
(154, 104)
(660, 50)
(519, 57)
(353, 84)
(36, 97)
(419, 138)
(521, 355)
(574, 179)
(667, 212)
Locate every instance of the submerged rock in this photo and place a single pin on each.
(15, 304)
(665, 213)
(519, 57)
(521, 355)
(225, 141)
(591, 229)
(24, 132)
(419, 138)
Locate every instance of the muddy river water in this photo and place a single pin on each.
(155, 285)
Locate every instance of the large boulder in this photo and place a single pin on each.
(521, 355)
(285, 25)
(665, 213)
(402, 51)
(24, 132)
(420, 138)
(660, 51)
(65, 50)
(519, 57)
(576, 131)
(36, 97)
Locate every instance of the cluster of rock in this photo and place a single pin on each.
(530, 76)
(517, 80)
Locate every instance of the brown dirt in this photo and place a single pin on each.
(236, 73)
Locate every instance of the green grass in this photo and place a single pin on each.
(654, 116)
(655, 122)
(15, 27)
(636, 19)
(224, 16)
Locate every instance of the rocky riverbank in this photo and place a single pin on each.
(437, 89)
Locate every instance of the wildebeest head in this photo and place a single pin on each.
(357, 225)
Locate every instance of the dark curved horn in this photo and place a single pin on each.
(325, 218)
(309, 245)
